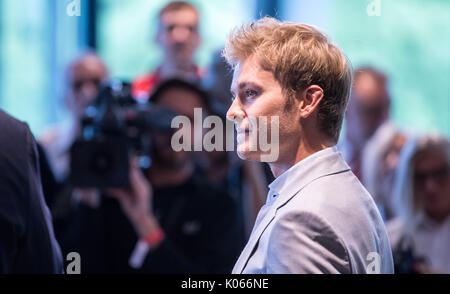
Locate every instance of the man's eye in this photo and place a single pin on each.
(250, 93)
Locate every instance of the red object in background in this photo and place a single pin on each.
(143, 87)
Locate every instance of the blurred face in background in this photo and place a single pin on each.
(84, 77)
(368, 108)
(183, 102)
(178, 35)
(432, 184)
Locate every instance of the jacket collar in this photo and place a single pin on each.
(323, 163)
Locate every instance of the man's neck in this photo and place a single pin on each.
(304, 150)
(161, 177)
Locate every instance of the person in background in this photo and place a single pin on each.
(215, 168)
(420, 235)
(27, 243)
(367, 110)
(83, 78)
(178, 36)
(218, 79)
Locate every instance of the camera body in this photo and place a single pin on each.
(114, 127)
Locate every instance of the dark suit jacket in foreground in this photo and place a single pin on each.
(27, 243)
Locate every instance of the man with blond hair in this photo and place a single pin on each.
(318, 218)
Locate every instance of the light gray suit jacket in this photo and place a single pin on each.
(318, 219)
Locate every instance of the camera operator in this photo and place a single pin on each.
(169, 220)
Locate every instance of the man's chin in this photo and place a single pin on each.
(245, 154)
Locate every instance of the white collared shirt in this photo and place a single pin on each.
(289, 181)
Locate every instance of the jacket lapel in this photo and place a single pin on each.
(267, 218)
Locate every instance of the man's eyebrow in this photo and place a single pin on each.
(247, 84)
(244, 85)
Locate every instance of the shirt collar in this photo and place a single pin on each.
(325, 162)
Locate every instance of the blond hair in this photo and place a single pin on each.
(299, 56)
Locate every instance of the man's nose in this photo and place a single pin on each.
(180, 34)
(235, 111)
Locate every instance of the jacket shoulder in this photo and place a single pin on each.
(14, 154)
(301, 242)
(344, 204)
(9, 124)
(15, 137)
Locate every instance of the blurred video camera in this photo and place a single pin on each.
(113, 128)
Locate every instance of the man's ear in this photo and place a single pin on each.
(310, 101)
